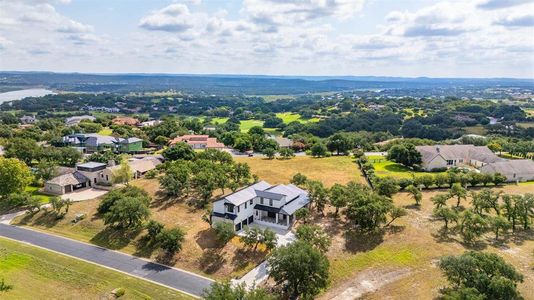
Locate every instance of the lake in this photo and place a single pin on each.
(21, 94)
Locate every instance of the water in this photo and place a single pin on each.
(21, 94)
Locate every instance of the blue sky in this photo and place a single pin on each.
(475, 38)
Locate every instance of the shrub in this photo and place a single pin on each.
(119, 292)
(225, 231)
(171, 240)
(4, 287)
(151, 174)
(154, 228)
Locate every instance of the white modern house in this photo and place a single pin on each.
(261, 203)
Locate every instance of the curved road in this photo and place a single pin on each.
(171, 277)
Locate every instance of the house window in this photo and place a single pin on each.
(450, 162)
(270, 202)
(250, 202)
(514, 175)
(238, 209)
(245, 205)
(261, 201)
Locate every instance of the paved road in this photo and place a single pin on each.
(180, 280)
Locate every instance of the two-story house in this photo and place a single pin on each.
(261, 203)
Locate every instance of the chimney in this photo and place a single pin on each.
(437, 149)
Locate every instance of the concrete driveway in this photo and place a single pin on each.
(86, 194)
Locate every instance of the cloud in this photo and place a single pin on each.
(173, 18)
(497, 4)
(516, 21)
(281, 12)
(71, 26)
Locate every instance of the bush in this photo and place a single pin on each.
(225, 231)
(171, 240)
(405, 182)
(154, 228)
(4, 287)
(437, 170)
(119, 292)
(151, 174)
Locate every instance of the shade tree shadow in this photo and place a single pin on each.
(212, 260)
(115, 238)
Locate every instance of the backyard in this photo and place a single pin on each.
(399, 262)
(388, 168)
(329, 170)
(201, 252)
(34, 273)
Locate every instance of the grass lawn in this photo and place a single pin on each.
(526, 124)
(106, 131)
(34, 191)
(478, 129)
(245, 125)
(529, 111)
(289, 117)
(399, 262)
(35, 273)
(219, 120)
(201, 253)
(329, 170)
(387, 168)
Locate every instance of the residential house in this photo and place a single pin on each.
(28, 120)
(150, 123)
(71, 121)
(198, 141)
(282, 141)
(139, 167)
(125, 121)
(93, 142)
(261, 203)
(69, 179)
(447, 156)
(514, 170)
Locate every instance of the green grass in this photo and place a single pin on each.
(411, 113)
(478, 129)
(245, 125)
(344, 267)
(526, 124)
(388, 168)
(106, 131)
(289, 117)
(219, 120)
(35, 273)
(34, 191)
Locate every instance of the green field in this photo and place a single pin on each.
(388, 168)
(289, 117)
(479, 129)
(35, 273)
(34, 191)
(219, 120)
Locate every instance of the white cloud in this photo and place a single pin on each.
(173, 18)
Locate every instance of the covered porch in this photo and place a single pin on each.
(272, 216)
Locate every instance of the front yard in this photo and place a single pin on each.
(329, 170)
(201, 253)
(39, 274)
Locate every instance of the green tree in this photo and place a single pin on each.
(24, 149)
(269, 239)
(46, 169)
(300, 269)
(286, 153)
(123, 174)
(472, 226)
(498, 224)
(405, 154)
(15, 176)
(127, 212)
(270, 153)
(486, 274)
(228, 291)
(318, 194)
(459, 192)
(440, 200)
(171, 240)
(302, 214)
(427, 180)
(154, 228)
(441, 179)
(178, 151)
(338, 197)
(251, 237)
(225, 231)
(498, 179)
(366, 209)
(318, 150)
(242, 144)
(299, 179)
(177, 179)
(524, 207)
(387, 186)
(446, 214)
(395, 213)
(416, 194)
(315, 236)
(340, 143)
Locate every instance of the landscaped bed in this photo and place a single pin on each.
(34, 273)
(201, 252)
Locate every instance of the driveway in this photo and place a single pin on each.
(171, 277)
(86, 194)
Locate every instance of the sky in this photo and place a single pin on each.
(412, 38)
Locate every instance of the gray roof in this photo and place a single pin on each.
(68, 179)
(454, 152)
(91, 164)
(291, 207)
(282, 141)
(130, 140)
(510, 167)
(247, 193)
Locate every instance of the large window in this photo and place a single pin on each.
(270, 202)
(261, 201)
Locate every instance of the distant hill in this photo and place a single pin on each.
(237, 84)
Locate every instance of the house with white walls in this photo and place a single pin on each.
(261, 203)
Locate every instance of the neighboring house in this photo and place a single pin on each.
(138, 166)
(28, 120)
(198, 141)
(93, 142)
(261, 203)
(447, 156)
(85, 175)
(282, 141)
(125, 121)
(89, 174)
(513, 170)
(77, 119)
(150, 123)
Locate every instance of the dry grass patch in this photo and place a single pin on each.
(329, 170)
(201, 253)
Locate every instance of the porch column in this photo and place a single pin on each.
(287, 220)
(276, 218)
